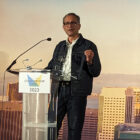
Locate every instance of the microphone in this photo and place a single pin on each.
(37, 62)
(49, 39)
(24, 61)
(14, 62)
(30, 67)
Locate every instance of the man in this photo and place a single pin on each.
(75, 61)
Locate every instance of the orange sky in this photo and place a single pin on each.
(112, 25)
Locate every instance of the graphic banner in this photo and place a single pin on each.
(34, 82)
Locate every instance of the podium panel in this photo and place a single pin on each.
(39, 113)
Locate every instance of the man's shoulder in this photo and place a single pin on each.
(63, 42)
(87, 41)
(59, 45)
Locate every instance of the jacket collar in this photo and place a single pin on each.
(80, 40)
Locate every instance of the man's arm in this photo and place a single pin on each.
(93, 61)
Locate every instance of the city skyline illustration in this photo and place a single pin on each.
(112, 107)
(112, 25)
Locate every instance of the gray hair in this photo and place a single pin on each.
(72, 14)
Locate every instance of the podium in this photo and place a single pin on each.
(39, 121)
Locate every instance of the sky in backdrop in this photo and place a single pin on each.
(113, 25)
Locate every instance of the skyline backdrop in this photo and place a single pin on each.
(112, 25)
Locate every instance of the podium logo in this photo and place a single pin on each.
(34, 83)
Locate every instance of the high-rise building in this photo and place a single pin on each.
(3, 98)
(90, 125)
(11, 121)
(65, 128)
(111, 112)
(12, 92)
(130, 106)
(127, 131)
(133, 105)
(60, 137)
(136, 92)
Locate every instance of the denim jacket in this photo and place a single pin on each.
(81, 73)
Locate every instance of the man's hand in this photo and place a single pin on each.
(89, 56)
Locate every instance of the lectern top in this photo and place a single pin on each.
(32, 70)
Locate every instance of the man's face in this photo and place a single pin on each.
(71, 25)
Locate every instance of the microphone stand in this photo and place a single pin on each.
(14, 62)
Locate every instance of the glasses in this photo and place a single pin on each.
(70, 23)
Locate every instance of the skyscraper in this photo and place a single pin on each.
(136, 92)
(12, 92)
(60, 137)
(90, 125)
(130, 106)
(111, 112)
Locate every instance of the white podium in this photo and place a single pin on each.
(39, 121)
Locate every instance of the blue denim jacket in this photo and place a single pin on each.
(82, 73)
